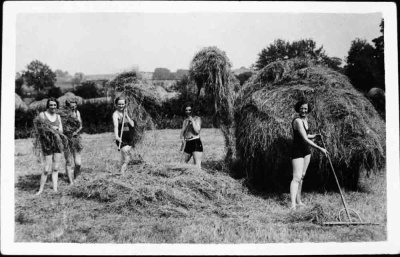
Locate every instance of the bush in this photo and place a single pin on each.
(54, 92)
(87, 90)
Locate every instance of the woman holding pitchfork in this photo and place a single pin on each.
(190, 136)
(123, 127)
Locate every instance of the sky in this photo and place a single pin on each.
(104, 43)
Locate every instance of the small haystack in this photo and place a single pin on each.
(19, 104)
(141, 98)
(353, 131)
(38, 106)
(98, 100)
(210, 69)
(70, 95)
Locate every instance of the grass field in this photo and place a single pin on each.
(164, 201)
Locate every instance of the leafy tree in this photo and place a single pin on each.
(281, 50)
(360, 67)
(87, 90)
(61, 74)
(244, 76)
(54, 92)
(19, 81)
(380, 57)
(39, 75)
(180, 73)
(163, 74)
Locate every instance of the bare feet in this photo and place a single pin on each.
(38, 193)
(301, 204)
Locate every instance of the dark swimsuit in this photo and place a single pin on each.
(127, 137)
(300, 148)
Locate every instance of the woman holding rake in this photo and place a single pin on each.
(123, 128)
(301, 153)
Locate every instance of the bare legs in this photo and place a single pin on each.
(300, 166)
(125, 157)
(196, 158)
(72, 172)
(78, 161)
(52, 166)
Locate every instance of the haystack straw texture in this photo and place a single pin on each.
(210, 69)
(98, 100)
(19, 104)
(138, 94)
(45, 137)
(354, 133)
(70, 95)
(70, 125)
(38, 105)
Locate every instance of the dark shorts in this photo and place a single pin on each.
(194, 145)
(300, 152)
(50, 150)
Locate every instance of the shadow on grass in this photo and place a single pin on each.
(28, 183)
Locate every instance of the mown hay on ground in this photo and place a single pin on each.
(175, 190)
(354, 133)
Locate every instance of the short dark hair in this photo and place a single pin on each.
(186, 106)
(300, 103)
(119, 98)
(52, 99)
(69, 101)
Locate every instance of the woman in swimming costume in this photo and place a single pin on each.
(301, 153)
(50, 149)
(190, 136)
(126, 141)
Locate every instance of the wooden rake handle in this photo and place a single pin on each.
(122, 131)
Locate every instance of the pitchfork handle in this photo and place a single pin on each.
(337, 181)
(122, 131)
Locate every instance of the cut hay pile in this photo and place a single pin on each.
(177, 190)
(139, 94)
(353, 131)
(19, 104)
(210, 69)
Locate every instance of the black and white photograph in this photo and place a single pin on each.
(179, 127)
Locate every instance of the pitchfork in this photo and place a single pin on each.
(350, 222)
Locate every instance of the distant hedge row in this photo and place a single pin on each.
(96, 117)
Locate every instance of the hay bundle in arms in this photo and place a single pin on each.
(140, 98)
(352, 129)
(210, 69)
(46, 138)
(70, 125)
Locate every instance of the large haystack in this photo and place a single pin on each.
(353, 131)
(142, 99)
(19, 104)
(211, 69)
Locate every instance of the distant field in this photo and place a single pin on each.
(164, 201)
